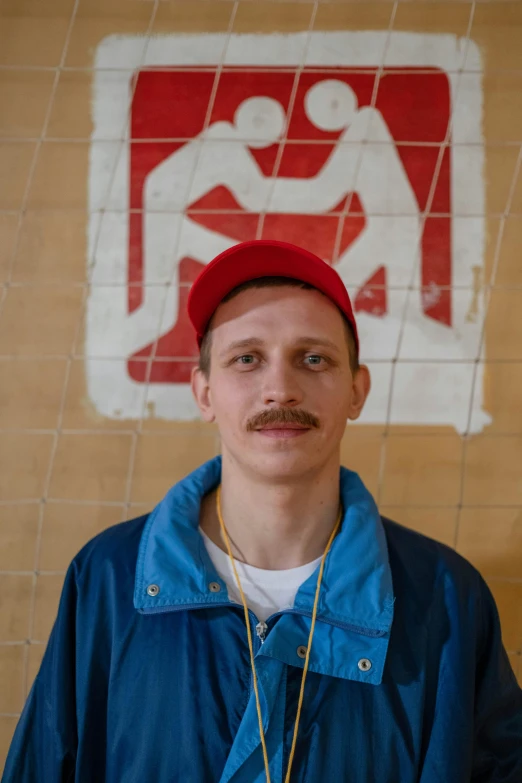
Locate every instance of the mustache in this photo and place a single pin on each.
(282, 416)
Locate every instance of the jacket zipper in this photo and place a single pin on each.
(261, 629)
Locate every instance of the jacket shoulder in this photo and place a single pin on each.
(417, 547)
(419, 564)
(115, 548)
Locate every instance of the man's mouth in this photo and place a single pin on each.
(283, 430)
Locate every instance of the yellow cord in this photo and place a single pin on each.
(247, 622)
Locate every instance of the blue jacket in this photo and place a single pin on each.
(140, 688)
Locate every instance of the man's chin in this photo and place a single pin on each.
(278, 462)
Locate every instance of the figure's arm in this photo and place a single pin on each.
(382, 182)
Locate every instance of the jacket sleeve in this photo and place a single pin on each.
(498, 704)
(43, 749)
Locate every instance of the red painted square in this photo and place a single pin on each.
(171, 106)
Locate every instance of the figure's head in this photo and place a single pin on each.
(276, 350)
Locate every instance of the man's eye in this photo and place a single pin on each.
(315, 359)
(246, 356)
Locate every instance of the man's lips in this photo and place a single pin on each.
(283, 430)
(284, 427)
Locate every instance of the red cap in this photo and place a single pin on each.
(262, 258)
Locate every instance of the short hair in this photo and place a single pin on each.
(271, 282)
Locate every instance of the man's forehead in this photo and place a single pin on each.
(264, 303)
(255, 341)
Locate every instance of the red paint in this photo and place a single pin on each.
(170, 106)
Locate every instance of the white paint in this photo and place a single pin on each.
(438, 396)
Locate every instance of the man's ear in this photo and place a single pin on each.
(361, 386)
(200, 386)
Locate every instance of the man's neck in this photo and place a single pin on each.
(274, 526)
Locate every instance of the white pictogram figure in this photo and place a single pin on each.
(364, 161)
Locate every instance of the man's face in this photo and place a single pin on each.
(280, 386)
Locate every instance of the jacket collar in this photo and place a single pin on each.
(357, 586)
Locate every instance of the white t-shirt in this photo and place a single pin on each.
(266, 591)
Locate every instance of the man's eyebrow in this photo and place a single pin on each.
(249, 342)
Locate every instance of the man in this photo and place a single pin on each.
(369, 652)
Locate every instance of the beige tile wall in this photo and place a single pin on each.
(65, 471)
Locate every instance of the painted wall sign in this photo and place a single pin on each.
(367, 153)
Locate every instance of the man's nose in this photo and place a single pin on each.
(281, 384)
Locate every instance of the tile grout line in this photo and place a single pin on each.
(175, 267)
(444, 146)
(481, 346)
(54, 444)
(26, 140)
(297, 71)
(382, 451)
(54, 447)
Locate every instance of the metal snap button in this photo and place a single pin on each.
(302, 650)
(153, 590)
(214, 587)
(364, 665)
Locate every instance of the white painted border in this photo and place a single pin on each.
(350, 49)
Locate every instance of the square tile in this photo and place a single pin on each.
(40, 319)
(15, 166)
(52, 247)
(435, 17)
(502, 398)
(500, 170)
(7, 729)
(24, 98)
(421, 470)
(47, 598)
(445, 389)
(136, 510)
(31, 392)
(491, 538)
(33, 32)
(353, 16)
(281, 17)
(8, 232)
(502, 106)
(79, 409)
(32, 9)
(431, 340)
(492, 471)
(437, 523)
(503, 333)
(11, 677)
(516, 201)
(60, 177)
(491, 227)
(91, 467)
(16, 592)
(34, 661)
(361, 451)
(509, 268)
(188, 17)
(67, 527)
(196, 427)
(24, 463)
(508, 597)
(18, 530)
(497, 29)
(97, 19)
(162, 460)
(72, 111)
